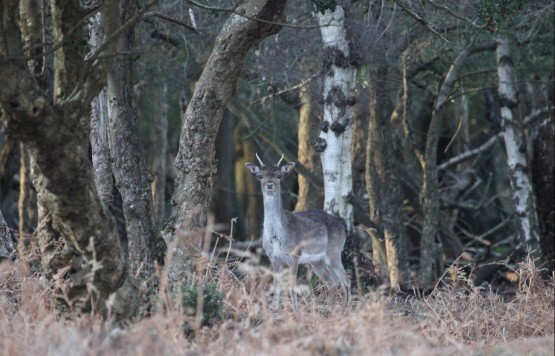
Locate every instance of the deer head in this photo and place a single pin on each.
(270, 176)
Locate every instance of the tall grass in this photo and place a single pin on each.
(454, 319)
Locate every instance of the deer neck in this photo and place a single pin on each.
(273, 213)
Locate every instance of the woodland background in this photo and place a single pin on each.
(125, 126)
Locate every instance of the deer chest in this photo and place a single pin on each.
(274, 245)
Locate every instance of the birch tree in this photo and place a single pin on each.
(517, 159)
(336, 135)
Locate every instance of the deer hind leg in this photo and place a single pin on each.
(341, 276)
(324, 272)
(331, 271)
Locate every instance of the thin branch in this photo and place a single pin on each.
(171, 19)
(301, 84)
(155, 34)
(420, 20)
(67, 37)
(490, 142)
(487, 26)
(126, 26)
(234, 11)
(90, 63)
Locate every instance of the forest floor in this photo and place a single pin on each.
(455, 319)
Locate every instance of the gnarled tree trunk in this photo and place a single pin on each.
(195, 160)
(128, 162)
(74, 229)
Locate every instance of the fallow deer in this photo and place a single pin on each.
(289, 238)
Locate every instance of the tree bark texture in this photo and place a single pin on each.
(100, 147)
(7, 244)
(431, 265)
(309, 196)
(335, 139)
(159, 156)
(57, 137)
(128, 162)
(517, 159)
(384, 187)
(103, 177)
(195, 163)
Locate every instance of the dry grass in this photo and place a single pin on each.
(455, 319)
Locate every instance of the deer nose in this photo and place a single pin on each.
(269, 185)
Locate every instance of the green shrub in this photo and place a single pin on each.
(212, 302)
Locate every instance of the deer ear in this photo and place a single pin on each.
(286, 169)
(254, 169)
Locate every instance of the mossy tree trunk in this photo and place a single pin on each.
(75, 230)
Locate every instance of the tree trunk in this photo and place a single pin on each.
(195, 160)
(335, 139)
(384, 188)
(159, 154)
(456, 183)
(431, 265)
(7, 244)
(309, 197)
(517, 160)
(100, 147)
(57, 136)
(128, 162)
(543, 175)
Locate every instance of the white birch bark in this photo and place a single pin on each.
(336, 135)
(515, 146)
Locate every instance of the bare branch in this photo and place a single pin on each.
(420, 20)
(283, 91)
(234, 11)
(487, 26)
(84, 91)
(171, 19)
(530, 119)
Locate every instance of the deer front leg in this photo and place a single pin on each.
(278, 282)
(293, 270)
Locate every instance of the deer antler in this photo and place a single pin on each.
(259, 160)
(281, 159)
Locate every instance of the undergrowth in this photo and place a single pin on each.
(235, 319)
